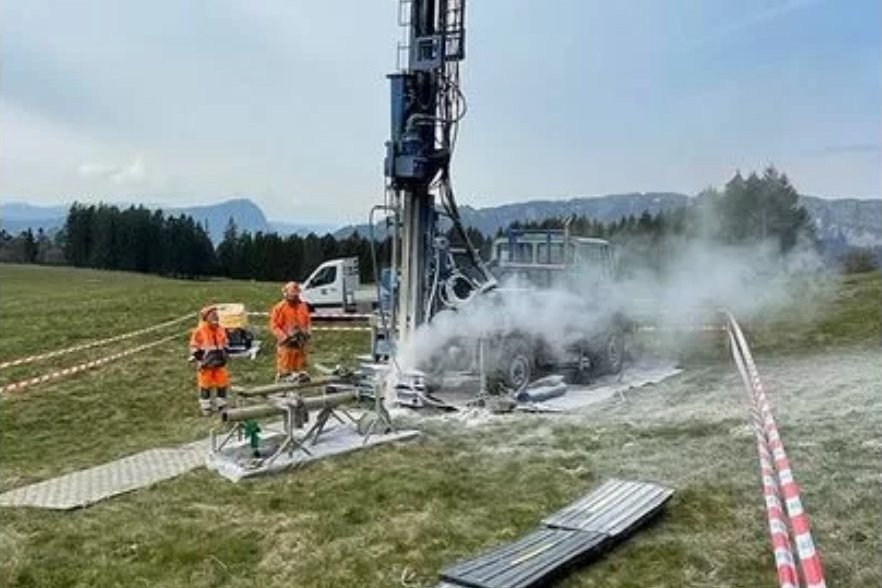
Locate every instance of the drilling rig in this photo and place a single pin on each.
(427, 106)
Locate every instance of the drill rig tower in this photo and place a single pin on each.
(426, 107)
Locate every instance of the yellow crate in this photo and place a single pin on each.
(232, 315)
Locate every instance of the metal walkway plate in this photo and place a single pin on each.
(88, 486)
(614, 508)
(527, 561)
(582, 529)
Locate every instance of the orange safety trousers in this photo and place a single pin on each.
(289, 359)
(213, 377)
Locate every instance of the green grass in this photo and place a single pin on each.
(844, 312)
(395, 513)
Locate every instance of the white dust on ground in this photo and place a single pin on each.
(814, 398)
(692, 432)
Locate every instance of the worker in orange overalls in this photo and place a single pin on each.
(290, 323)
(208, 349)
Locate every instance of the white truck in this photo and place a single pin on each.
(335, 284)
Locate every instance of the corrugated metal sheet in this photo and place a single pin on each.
(613, 508)
(582, 529)
(525, 562)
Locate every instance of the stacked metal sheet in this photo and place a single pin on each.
(578, 531)
(614, 508)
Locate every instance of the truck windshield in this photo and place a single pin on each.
(553, 253)
(326, 276)
(523, 253)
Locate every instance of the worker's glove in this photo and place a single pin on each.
(197, 355)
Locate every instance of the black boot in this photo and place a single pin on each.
(205, 401)
(220, 402)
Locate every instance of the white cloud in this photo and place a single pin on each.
(133, 173)
(126, 174)
(94, 170)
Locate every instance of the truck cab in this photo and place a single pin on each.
(333, 284)
(531, 264)
(547, 259)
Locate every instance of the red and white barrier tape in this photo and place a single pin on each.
(324, 316)
(340, 316)
(82, 346)
(258, 313)
(16, 386)
(778, 479)
(681, 328)
(783, 552)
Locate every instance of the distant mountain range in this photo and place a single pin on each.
(847, 222)
(842, 223)
(19, 216)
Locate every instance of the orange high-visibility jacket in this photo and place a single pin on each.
(207, 337)
(286, 317)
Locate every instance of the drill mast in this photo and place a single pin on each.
(426, 107)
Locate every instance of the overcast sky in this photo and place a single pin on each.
(286, 101)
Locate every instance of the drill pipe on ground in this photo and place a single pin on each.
(257, 411)
(268, 389)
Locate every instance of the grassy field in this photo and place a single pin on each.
(395, 515)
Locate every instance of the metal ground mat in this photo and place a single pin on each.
(91, 485)
(235, 462)
(579, 531)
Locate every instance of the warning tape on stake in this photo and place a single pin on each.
(777, 477)
(82, 346)
(16, 386)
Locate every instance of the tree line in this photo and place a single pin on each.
(137, 239)
(30, 247)
(756, 208)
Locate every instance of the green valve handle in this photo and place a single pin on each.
(252, 431)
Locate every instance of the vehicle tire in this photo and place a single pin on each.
(513, 365)
(576, 376)
(611, 357)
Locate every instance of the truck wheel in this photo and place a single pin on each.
(513, 367)
(577, 376)
(612, 355)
